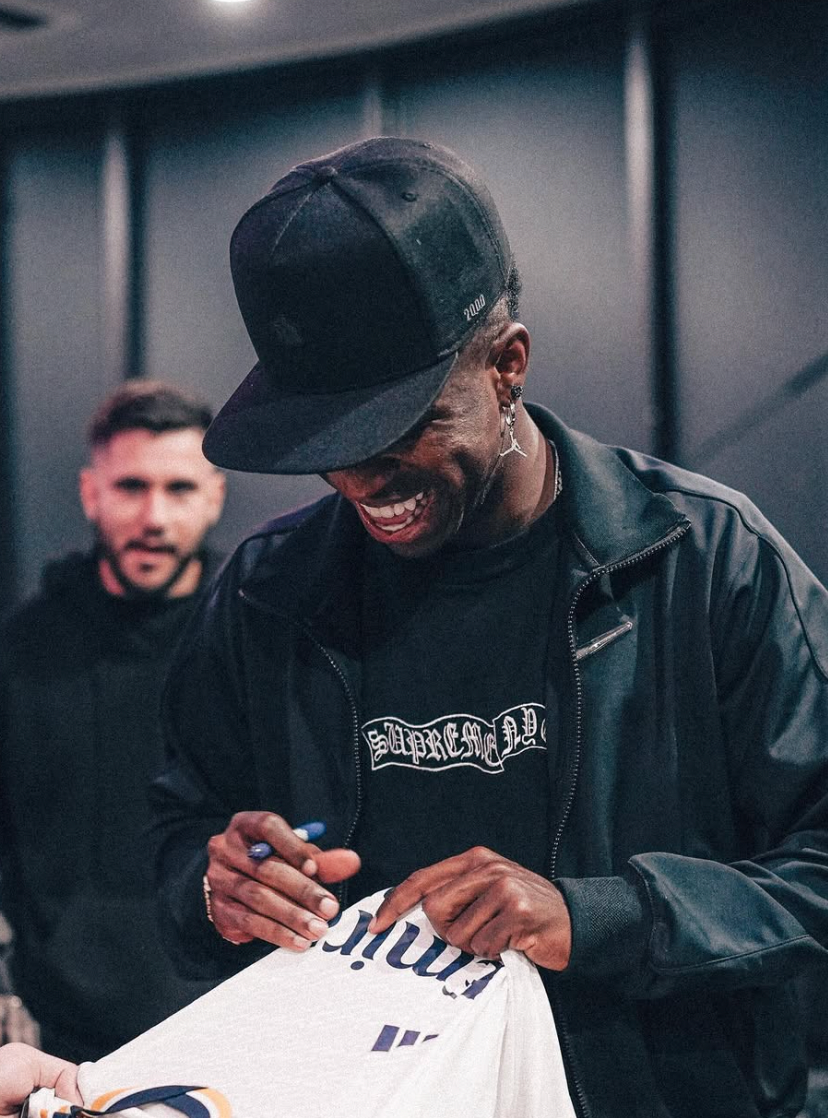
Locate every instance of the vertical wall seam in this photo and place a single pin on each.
(373, 114)
(121, 251)
(8, 553)
(664, 323)
(137, 210)
(649, 199)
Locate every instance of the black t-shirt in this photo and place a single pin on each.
(455, 698)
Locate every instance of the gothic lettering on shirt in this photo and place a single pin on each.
(458, 739)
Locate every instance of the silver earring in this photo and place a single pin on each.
(509, 418)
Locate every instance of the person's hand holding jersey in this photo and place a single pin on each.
(483, 903)
(24, 1069)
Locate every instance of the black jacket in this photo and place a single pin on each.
(81, 674)
(690, 646)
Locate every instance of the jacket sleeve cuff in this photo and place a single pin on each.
(611, 924)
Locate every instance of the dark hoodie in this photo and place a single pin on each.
(81, 674)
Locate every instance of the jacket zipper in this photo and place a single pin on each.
(593, 576)
(349, 695)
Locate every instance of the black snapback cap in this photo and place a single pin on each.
(359, 275)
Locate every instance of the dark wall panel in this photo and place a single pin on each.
(55, 336)
(544, 123)
(751, 163)
(203, 170)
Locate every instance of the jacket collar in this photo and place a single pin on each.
(612, 515)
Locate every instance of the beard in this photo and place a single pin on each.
(136, 591)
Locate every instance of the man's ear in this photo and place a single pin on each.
(510, 357)
(88, 489)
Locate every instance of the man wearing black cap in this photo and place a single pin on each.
(572, 697)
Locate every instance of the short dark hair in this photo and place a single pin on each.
(149, 405)
(514, 287)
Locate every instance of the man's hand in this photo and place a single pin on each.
(484, 904)
(23, 1069)
(278, 900)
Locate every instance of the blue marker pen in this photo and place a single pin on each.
(307, 832)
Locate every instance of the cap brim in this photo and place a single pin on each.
(266, 430)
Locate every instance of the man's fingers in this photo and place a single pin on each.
(405, 897)
(423, 883)
(66, 1084)
(23, 1069)
(279, 906)
(336, 865)
(459, 910)
(278, 896)
(494, 936)
(484, 904)
(248, 828)
(527, 915)
(293, 928)
(276, 890)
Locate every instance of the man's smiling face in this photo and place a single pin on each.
(435, 485)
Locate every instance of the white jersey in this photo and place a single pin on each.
(399, 1024)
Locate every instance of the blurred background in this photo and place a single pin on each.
(662, 169)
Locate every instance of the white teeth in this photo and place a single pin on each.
(385, 512)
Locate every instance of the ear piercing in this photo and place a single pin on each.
(509, 419)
